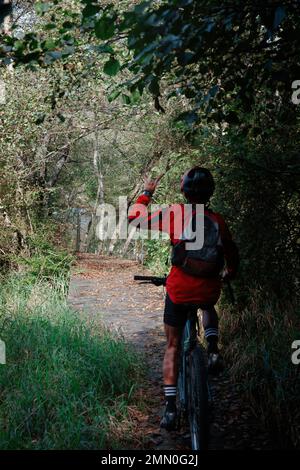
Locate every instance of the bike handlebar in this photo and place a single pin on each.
(161, 281)
(157, 281)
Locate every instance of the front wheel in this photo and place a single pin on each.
(198, 409)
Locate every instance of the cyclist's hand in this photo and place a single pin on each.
(150, 184)
(160, 282)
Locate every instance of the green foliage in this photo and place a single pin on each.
(210, 53)
(261, 203)
(112, 67)
(65, 382)
(157, 257)
(104, 27)
(48, 265)
(46, 262)
(42, 7)
(260, 362)
(223, 73)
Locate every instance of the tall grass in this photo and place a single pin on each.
(64, 382)
(257, 341)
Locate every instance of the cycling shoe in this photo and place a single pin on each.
(215, 363)
(169, 420)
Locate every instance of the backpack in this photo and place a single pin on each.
(207, 261)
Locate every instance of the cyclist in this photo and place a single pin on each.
(183, 287)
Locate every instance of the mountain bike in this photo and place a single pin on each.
(194, 396)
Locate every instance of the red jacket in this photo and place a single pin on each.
(183, 287)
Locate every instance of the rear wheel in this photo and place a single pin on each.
(198, 409)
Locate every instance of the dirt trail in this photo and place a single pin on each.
(103, 289)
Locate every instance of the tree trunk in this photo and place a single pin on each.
(129, 239)
(100, 197)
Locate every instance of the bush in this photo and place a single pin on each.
(257, 342)
(63, 384)
(157, 256)
(45, 262)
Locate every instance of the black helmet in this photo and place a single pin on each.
(198, 185)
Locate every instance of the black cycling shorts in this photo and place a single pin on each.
(176, 314)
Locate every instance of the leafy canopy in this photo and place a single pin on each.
(221, 56)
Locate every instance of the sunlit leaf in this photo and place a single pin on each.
(112, 67)
(105, 28)
(42, 7)
(114, 95)
(90, 10)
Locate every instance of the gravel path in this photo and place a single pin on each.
(102, 288)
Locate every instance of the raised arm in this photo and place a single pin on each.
(161, 220)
